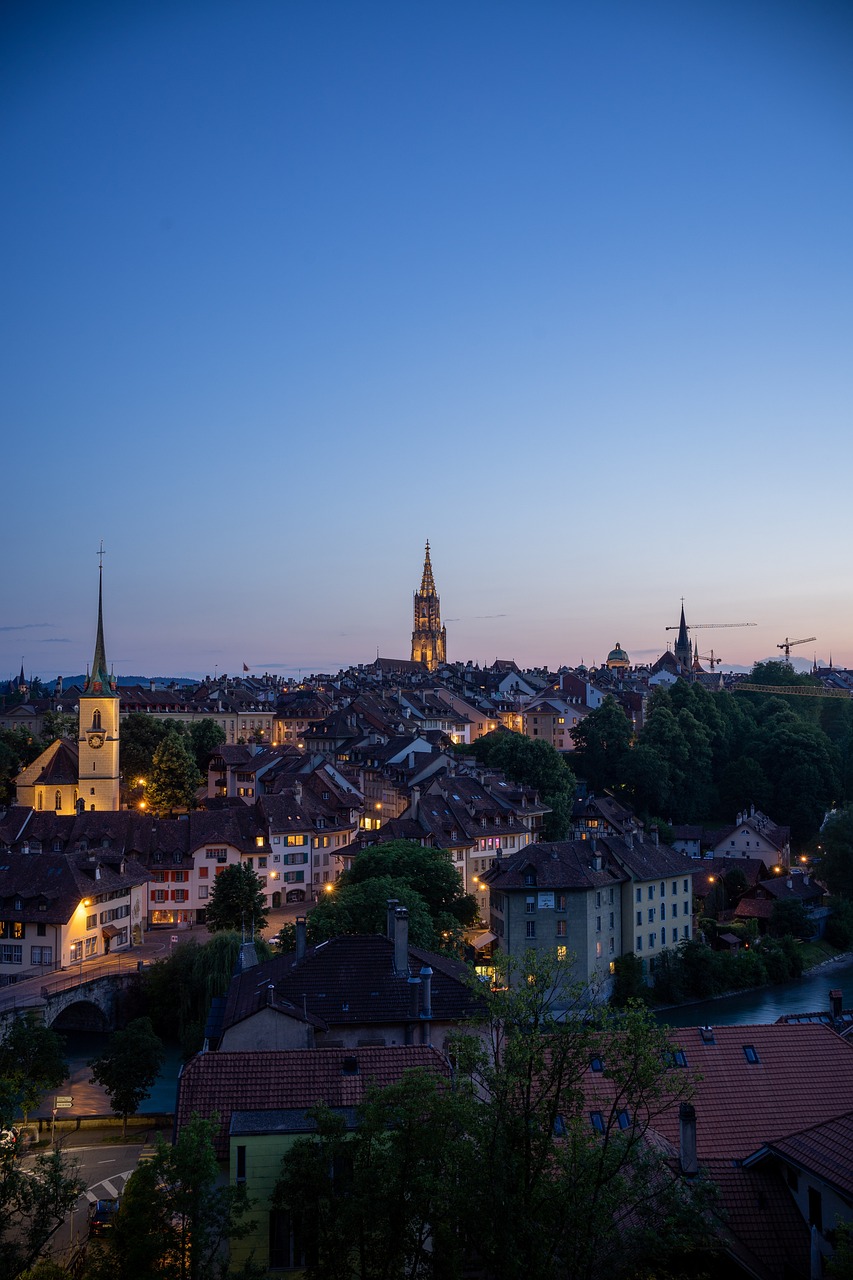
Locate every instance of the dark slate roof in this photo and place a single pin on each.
(558, 864)
(57, 882)
(221, 1083)
(351, 980)
(645, 860)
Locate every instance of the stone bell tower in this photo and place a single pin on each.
(98, 732)
(429, 638)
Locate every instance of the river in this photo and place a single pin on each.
(90, 1099)
(808, 994)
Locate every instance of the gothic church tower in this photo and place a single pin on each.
(429, 638)
(98, 732)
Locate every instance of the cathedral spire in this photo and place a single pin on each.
(428, 635)
(100, 681)
(682, 645)
(427, 580)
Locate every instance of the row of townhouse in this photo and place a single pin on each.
(592, 900)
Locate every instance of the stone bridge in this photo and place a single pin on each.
(87, 1000)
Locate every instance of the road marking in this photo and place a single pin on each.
(105, 1162)
(110, 1189)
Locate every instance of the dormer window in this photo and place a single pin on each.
(530, 876)
(18, 904)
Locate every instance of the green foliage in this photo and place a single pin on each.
(205, 737)
(32, 1061)
(835, 866)
(33, 1202)
(17, 749)
(839, 926)
(173, 778)
(175, 1220)
(629, 982)
(141, 735)
(129, 1067)
(602, 746)
(696, 972)
(237, 901)
(789, 916)
(533, 764)
(560, 1200)
(429, 871)
(58, 724)
(362, 908)
(179, 989)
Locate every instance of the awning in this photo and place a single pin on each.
(111, 931)
(483, 940)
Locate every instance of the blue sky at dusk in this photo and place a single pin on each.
(289, 287)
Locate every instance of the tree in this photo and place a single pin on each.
(835, 867)
(564, 1200)
(237, 901)
(429, 871)
(175, 1220)
(205, 737)
(33, 1202)
(602, 743)
(790, 918)
(532, 764)
(141, 735)
(32, 1061)
(58, 724)
(178, 990)
(129, 1067)
(174, 777)
(363, 909)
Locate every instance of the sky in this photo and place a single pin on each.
(290, 286)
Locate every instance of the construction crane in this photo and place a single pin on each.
(712, 626)
(711, 659)
(788, 645)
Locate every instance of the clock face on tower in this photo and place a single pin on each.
(96, 740)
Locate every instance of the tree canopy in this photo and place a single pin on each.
(424, 881)
(173, 778)
(702, 757)
(175, 1219)
(237, 901)
(128, 1067)
(532, 763)
(405, 1194)
(32, 1061)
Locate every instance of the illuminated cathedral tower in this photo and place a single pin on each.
(429, 636)
(98, 734)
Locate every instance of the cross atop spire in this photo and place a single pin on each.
(427, 580)
(100, 682)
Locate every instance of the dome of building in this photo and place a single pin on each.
(617, 658)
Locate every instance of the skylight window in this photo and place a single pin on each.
(597, 1121)
(751, 1053)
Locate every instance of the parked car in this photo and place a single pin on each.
(102, 1216)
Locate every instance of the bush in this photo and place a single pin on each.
(629, 983)
(839, 926)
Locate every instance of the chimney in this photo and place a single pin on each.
(151, 686)
(687, 1140)
(629, 838)
(597, 860)
(789, 880)
(297, 792)
(414, 997)
(301, 937)
(392, 904)
(426, 978)
(270, 994)
(401, 942)
(752, 811)
(655, 837)
(416, 801)
(411, 759)
(836, 1000)
(806, 876)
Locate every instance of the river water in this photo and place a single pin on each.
(809, 994)
(90, 1099)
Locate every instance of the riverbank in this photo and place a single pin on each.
(806, 994)
(828, 956)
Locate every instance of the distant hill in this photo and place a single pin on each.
(160, 681)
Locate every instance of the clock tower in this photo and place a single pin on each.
(98, 733)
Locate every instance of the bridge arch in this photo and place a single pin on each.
(79, 1015)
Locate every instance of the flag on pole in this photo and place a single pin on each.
(245, 668)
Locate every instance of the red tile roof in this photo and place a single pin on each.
(219, 1083)
(803, 1077)
(824, 1149)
